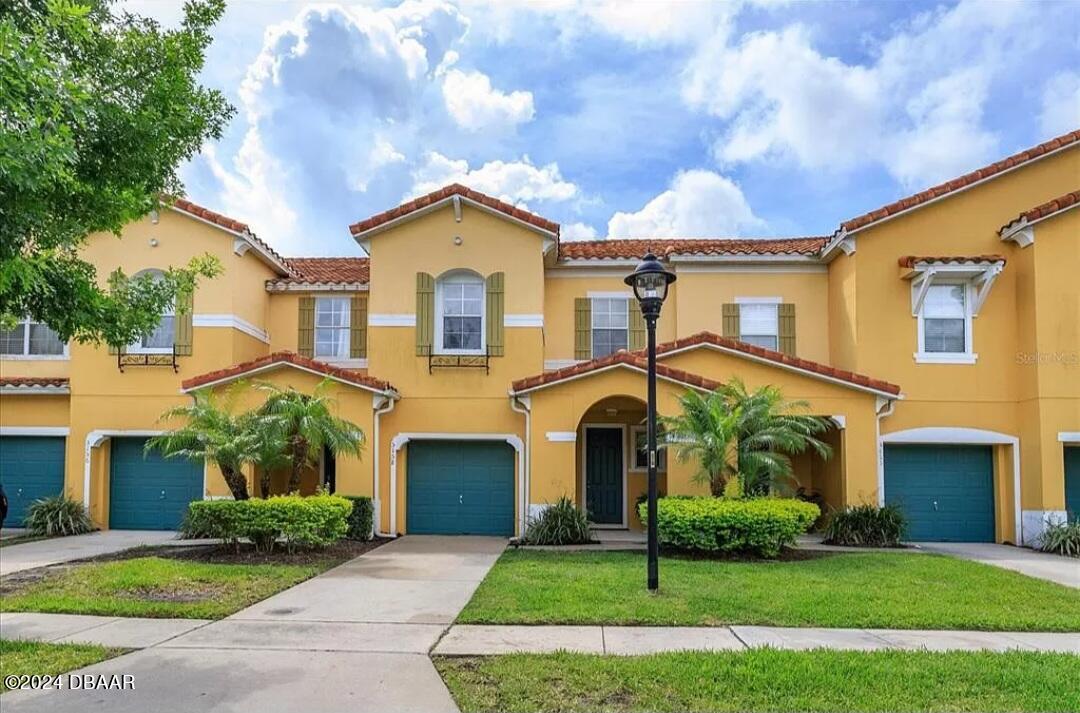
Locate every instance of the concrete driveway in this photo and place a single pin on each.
(1053, 568)
(353, 639)
(15, 558)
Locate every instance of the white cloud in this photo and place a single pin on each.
(475, 104)
(1060, 104)
(516, 182)
(577, 231)
(698, 204)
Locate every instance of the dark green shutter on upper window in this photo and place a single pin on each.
(496, 312)
(730, 313)
(425, 313)
(637, 325)
(305, 338)
(786, 326)
(358, 327)
(183, 323)
(582, 328)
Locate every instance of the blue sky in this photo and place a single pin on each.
(621, 119)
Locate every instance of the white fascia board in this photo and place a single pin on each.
(230, 321)
(35, 390)
(252, 244)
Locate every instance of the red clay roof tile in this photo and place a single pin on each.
(911, 260)
(956, 184)
(632, 359)
(228, 223)
(16, 382)
(636, 248)
(454, 189)
(285, 357)
(327, 271)
(1045, 210)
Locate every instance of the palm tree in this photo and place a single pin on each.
(705, 431)
(307, 425)
(212, 433)
(769, 430)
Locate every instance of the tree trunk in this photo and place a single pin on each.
(717, 483)
(236, 481)
(264, 482)
(299, 460)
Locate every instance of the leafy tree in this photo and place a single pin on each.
(98, 110)
(306, 423)
(213, 432)
(705, 431)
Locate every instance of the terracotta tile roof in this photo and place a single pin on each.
(911, 260)
(1045, 210)
(635, 248)
(228, 223)
(283, 357)
(326, 271)
(956, 184)
(454, 189)
(632, 359)
(33, 382)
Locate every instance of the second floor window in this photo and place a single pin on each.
(162, 337)
(332, 322)
(759, 325)
(610, 325)
(30, 338)
(944, 320)
(460, 322)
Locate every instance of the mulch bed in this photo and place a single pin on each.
(788, 554)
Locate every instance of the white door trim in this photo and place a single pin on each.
(512, 438)
(951, 435)
(585, 475)
(1069, 436)
(34, 431)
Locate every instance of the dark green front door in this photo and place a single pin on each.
(604, 475)
(947, 492)
(1072, 481)
(460, 488)
(31, 468)
(149, 492)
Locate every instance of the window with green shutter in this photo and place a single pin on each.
(183, 323)
(786, 319)
(358, 327)
(637, 326)
(305, 338)
(496, 312)
(582, 328)
(730, 315)
(425, 313)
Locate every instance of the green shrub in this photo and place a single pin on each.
(559, 524)
(866, 526)
(1061, 538)
(758, 526)
(312, 522)
(361, 519)
(57, 516)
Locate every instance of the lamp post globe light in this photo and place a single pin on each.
(650, 283)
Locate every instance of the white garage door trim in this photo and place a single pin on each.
(513, 439)
(959, 436)
(53, 431)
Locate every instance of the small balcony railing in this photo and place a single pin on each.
(126, 359)
(460, 361)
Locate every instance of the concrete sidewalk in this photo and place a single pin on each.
(482, 640)
(55, 550)
(121, 632)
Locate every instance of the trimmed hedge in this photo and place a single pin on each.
(361, 518)
(313, 522)
(758, 526)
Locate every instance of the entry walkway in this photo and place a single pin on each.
(56, 550)
(1042, 565)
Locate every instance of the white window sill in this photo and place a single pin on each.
(36, 357)
(461, 352)
(131, 350)
(344, 363)
(944, 358)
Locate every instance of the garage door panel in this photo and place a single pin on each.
(1072, 481)
(945, 491)
(148, 491)
(460, 487)
(31, 468)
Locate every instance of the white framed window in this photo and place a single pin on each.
(460, 319)
(160, 339)
(639, 458)
(759, 324)
(332, 327)
(944, 324)
(31, 340)
(610, 325)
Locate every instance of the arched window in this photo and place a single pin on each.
(459, 311)
(161, 338)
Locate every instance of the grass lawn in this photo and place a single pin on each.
(904, 591)
(766, 680)
(157, 587)
(27, 658)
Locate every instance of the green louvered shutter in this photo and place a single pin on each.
(305, 337)
(358, 327)
(637, 325)
(496, 313)
(183, 323)
(731, 320)
(113, 349)
(425, 313)
(786, 326)
(583, 328)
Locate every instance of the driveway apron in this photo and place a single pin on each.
(354, 639)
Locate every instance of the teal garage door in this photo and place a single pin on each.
(149, 492)
(31, 468)
(459, 488)
(947, 492)
(1072, 481)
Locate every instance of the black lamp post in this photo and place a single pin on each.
(650, 282)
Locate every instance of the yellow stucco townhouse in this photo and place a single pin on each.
(495, 368)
